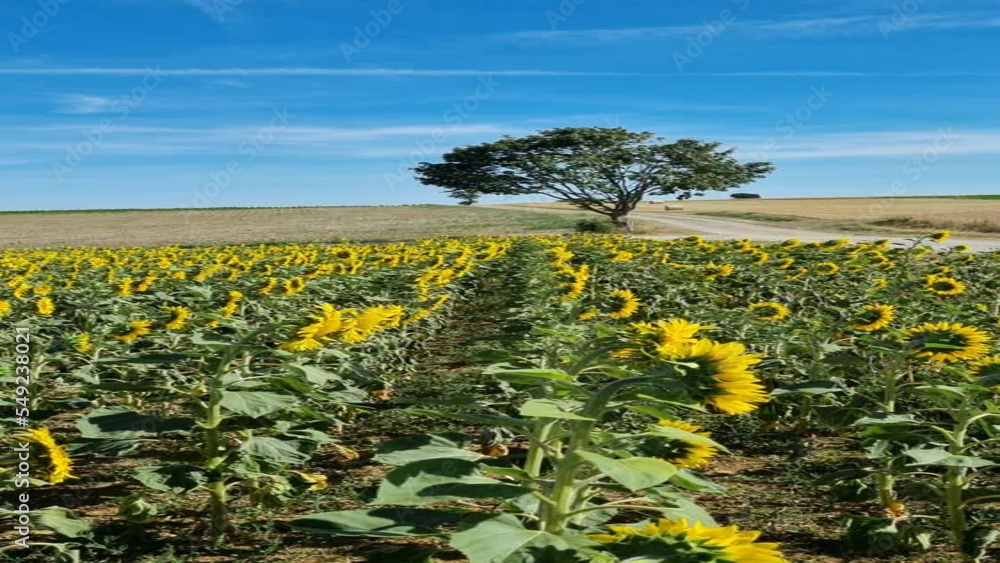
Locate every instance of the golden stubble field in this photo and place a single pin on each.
(960, 214)
(234, 226)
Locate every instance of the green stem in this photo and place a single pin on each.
(955, 480)
(214, 456)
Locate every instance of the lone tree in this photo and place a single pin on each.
(607, 170)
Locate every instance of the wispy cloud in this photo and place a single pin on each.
(761, 29)
(82, 103)
(298, 71)
(209, 8)
(877, 144)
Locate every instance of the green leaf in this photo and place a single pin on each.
(635, 473)
(882, 418)
(549, 408)
(808, 388)
(503, 539)
(121, 423)
(528, 376)
(256, 403)
(692, 482)
(425, 446)
(273, 450)
(442, 479)
(177, 479)
(61, 521)
(672, 433)
(313, 374)
(378, 522)
(941, 458)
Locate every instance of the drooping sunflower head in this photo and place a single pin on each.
(826, 268)
(721, 376)
(679, 541)
(769, 311)
(626, 304)
(683, 452)
(873, 317)
(940, 236)
(940, 285)
(60, 464)
(948, 342)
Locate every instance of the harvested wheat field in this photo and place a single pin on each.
(234, 226)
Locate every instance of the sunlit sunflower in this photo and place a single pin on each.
(657, 338)
(769, 311)
(723, 376)
(60, 464)
(686, 452)
(961, 248)
(874, 317)
(138, 328)
(45, 306)
(713, 270)
(826, 268)
(940, 236)
(948, 342)
(940, 285)
(82, 343)
(677, 541)
(626, 304)
(5, 308)
(178, 317)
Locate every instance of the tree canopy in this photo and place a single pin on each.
(607, 170)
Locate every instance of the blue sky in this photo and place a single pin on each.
(194, 103)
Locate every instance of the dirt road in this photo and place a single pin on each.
(711, 227)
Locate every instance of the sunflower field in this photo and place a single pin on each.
(502, 400)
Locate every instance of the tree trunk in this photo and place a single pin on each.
(622, 222)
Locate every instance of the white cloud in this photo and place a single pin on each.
(82, 103)
(878, 144)
(763, 29)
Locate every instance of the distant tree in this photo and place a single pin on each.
(745, 196)
(607, 170)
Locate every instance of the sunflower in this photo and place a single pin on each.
(657, 338)
(232, 304)
(60, 464)
(769, 311)
(790, 243)
(82, 343)
(940, 285)
(686, 453)
(178, 318)
(138, 328)
(588, 314)
(722, 377)
(5, 308)
(874, 317)
(45, 306)
(948, 342)
(987, 368)
(961, 248)
(940, 236)
(784, 263)
(879, 283)
(678, 541)
(627, 304)
(826, 268)
(713, 270)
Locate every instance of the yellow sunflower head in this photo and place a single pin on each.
(940, 285)
(940, 236)
(626, 304)
(678, 541)
(769, 311)
(60, 464)
(874, 317)
(721, 376)
(682, 452)
(948, 342)
(826, 268)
